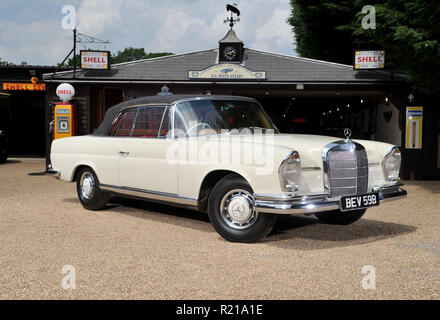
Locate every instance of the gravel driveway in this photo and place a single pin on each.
(139, 250)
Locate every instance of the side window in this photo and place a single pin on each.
(148, 122)
(125, 124)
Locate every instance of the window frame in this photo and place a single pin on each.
(167, 110)
(115, 124)
(175, 105)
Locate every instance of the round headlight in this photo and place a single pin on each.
(391, 164)
(289, 172)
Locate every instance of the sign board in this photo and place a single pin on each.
(65, 91)
(33, 86)
(414, 122)
(24, 86)
(98, 60)
(227, 71)
(369, 59)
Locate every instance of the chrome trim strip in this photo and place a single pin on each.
(288, 196)
(298, 206)
(310, 168)
(309, 204)
(396, 195)
(393, 192)
(391, 185)
(152, 195)
(348, 178)
(344, 169)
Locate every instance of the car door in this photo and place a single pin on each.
(143, 163)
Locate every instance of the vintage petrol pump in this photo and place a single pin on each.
(65, 118)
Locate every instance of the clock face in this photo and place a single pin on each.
(230, 53)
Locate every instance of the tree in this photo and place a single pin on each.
(323, 29)
(129, 54)
(132, 54)
(5, 63)
(70, 61)
(408, 31)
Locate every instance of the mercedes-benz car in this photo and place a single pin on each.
(224, 156)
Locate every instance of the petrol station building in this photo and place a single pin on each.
(23, 108)
(301, 95)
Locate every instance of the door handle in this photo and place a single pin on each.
(124, 153)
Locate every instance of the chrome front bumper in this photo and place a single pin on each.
(291, 204)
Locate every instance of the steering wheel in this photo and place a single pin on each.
(203, 125)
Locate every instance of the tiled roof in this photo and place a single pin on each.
(279, 68)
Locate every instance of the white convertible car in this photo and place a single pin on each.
(224, 156)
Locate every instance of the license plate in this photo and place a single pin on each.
(359, 201)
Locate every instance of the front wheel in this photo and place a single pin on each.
(89, 193)
(232, 213)
(339, 217)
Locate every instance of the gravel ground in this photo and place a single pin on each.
(139, 250)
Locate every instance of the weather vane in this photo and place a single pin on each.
(233, 8)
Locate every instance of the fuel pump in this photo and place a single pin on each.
(65, 120)
(65, 117)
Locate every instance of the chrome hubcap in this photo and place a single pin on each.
(237, 209)
(87, 185)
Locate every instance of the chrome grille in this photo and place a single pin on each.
(346, 166)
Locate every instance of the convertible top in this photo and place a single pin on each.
(160, 100)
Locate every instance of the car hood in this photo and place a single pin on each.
(310, 147)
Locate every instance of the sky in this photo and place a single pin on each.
(32, 30)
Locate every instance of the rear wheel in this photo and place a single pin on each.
(89, 193)
(232, 213)
(339, 217)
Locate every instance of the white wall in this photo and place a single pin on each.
(388, 131)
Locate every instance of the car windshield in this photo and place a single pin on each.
(201, 117)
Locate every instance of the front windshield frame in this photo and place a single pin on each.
(217, 98)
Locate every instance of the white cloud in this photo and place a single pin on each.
(36, 43)
(100, 16)
(167, 25)
(275, 33)
(181, 32)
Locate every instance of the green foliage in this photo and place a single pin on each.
(323, 29)
(5, 63)
(132, 54)
(408, 31)
(70, 61)
(129, 54)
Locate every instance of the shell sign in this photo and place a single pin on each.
(65, 91)
(95, 60)
(33, 86)
(374, 59)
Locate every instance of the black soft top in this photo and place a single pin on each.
(160, 100)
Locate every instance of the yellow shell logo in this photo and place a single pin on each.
(34, 80)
